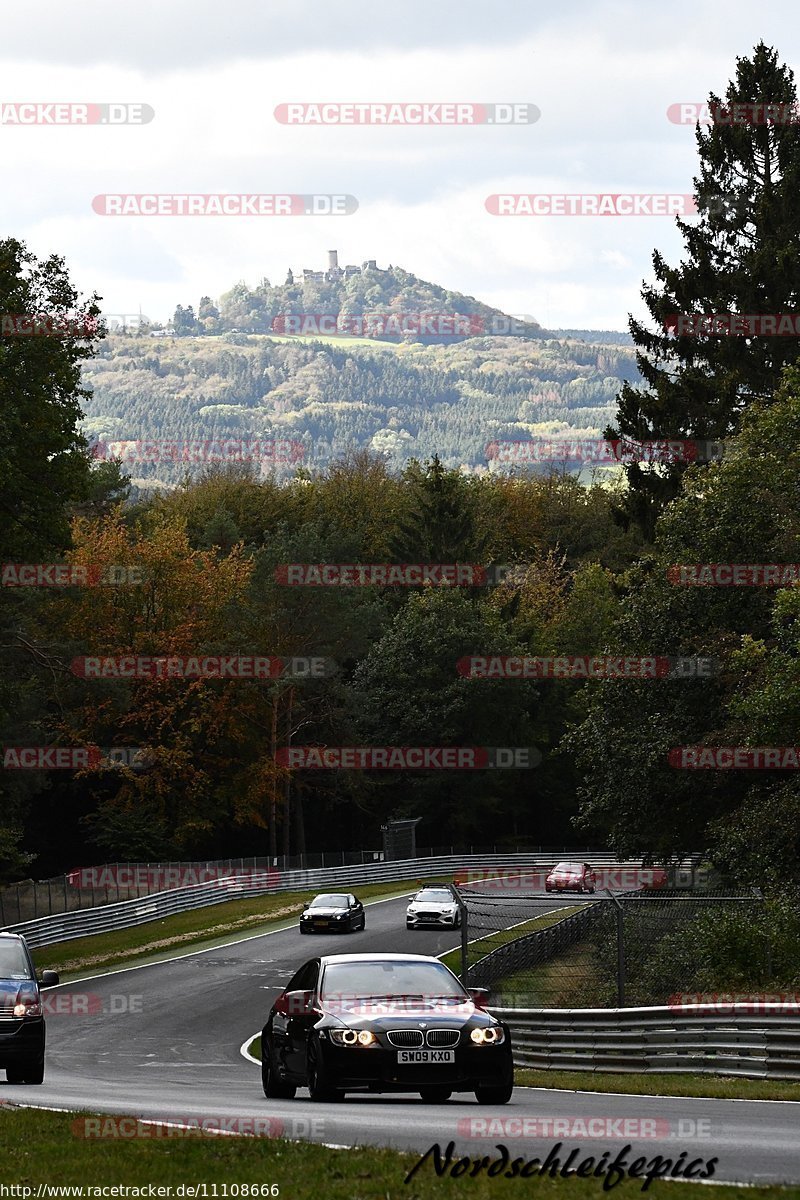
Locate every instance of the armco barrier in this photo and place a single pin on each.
(762, 1044)
(44, 931)
(110, 883)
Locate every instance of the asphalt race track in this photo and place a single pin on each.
(163, 1041)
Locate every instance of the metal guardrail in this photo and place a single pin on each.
(760, 1044)
(44, 931)
(108, 883)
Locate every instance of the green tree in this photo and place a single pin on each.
(44, 464)
(743, 510)
(442, 523)
(742, 256)
(407, 692)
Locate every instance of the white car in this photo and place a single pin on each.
(435, 906)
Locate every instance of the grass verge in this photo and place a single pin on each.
(718, 1087)
(570, 980)
(38, 1147)
(211, 924)
(482, 946)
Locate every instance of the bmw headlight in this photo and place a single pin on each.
(491, 1036)
(28, 1008)
(353, 1037)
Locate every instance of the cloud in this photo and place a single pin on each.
(602, 74)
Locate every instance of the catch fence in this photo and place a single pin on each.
(624, 947)
(110, 883)
(56, 927)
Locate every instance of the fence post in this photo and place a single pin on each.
(620, 950)
(463, 917)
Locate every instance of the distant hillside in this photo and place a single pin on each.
(598, 337)
(406, 400)
(364, 301)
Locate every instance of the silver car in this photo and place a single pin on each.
(434, 906)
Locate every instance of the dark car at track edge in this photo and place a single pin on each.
(22, 1026)
(333, 912)
(383, 1023)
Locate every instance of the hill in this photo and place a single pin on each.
(365, 301)
(405, 400)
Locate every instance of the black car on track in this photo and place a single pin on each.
(333, 912)
(383, 1023)
(21, 1015)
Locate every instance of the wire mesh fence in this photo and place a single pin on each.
(596, 950)
(110, 883)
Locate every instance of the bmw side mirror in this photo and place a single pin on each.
(479, 996)
(298, 1004)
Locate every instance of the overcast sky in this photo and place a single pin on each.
(603, 75)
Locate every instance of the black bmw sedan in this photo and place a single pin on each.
(383, 1023)
(333, 912)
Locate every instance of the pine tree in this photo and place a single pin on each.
(441, 525)
(743, 256)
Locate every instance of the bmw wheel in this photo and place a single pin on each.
(494, 1095)
(274, 1089)
(319, 1088)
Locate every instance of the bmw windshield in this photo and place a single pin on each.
(386, 979)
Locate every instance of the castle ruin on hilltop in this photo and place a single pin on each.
(334, 271)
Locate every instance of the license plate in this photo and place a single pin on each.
(426, 1056)
(317, 924)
